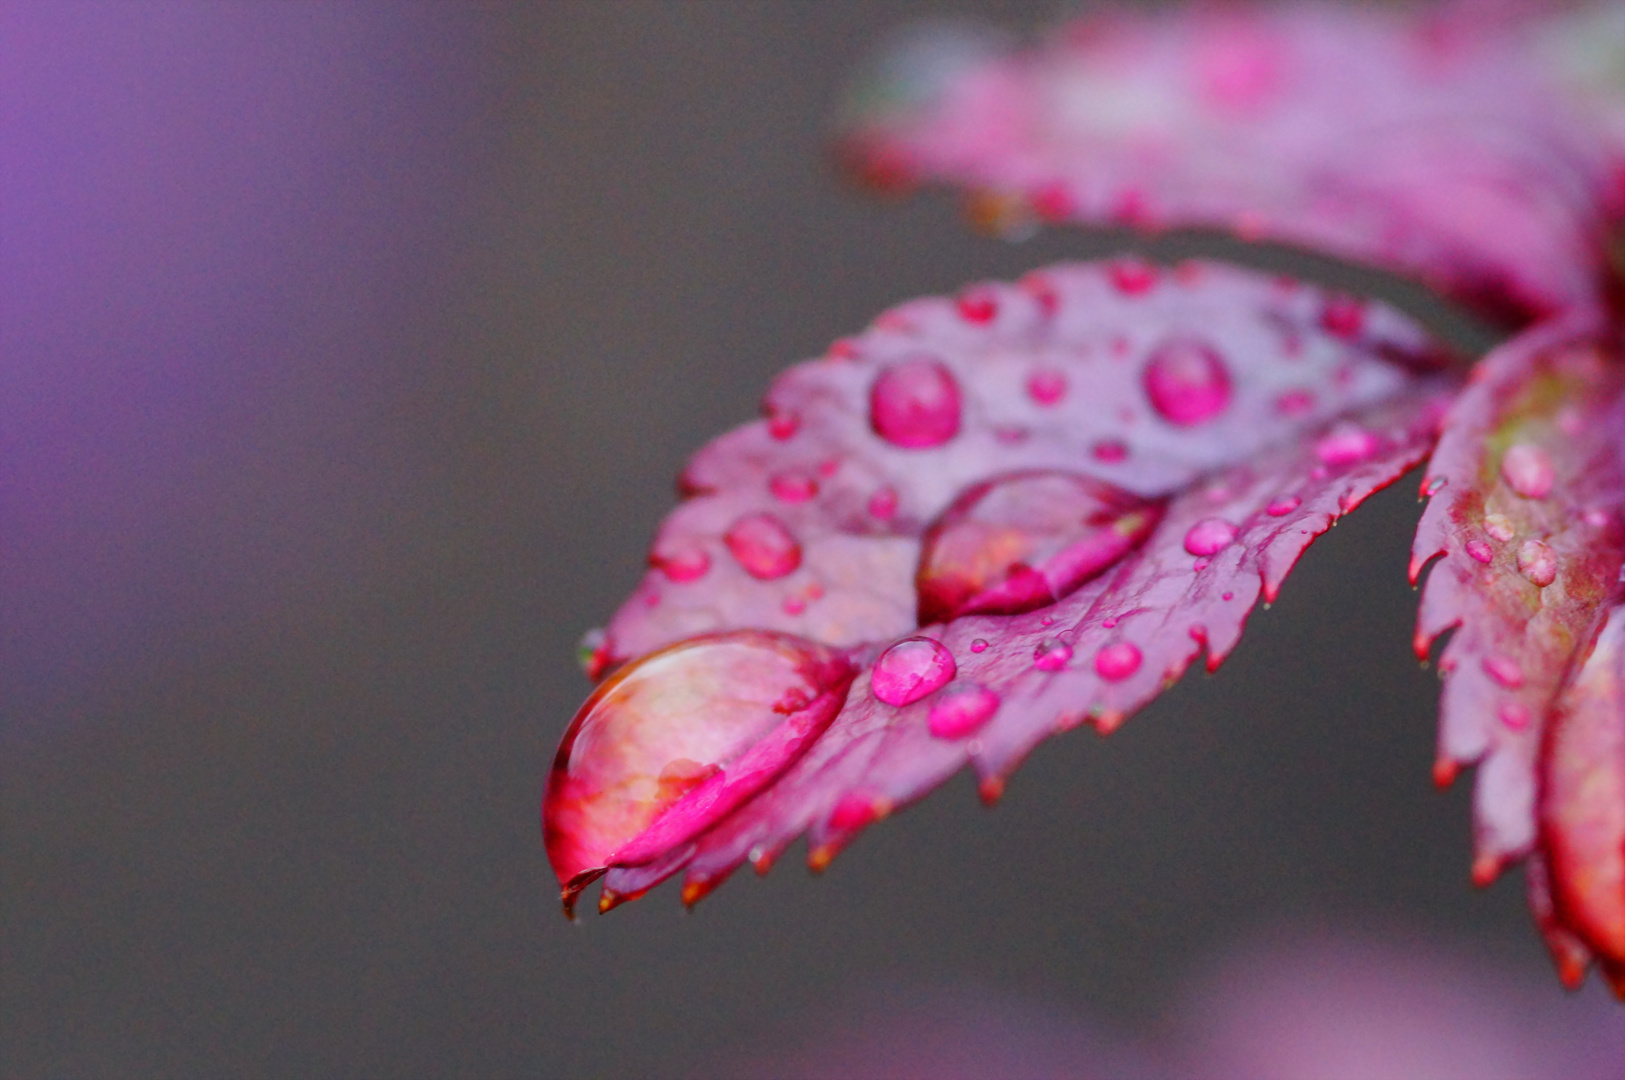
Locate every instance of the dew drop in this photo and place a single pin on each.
(978, 306)
(1052, 654)
(1110, 450)
(915, 404)
(1024, 540)
(962, 709)
(764, 546)
(1498, 527)
(1343, 316)
(1479, 550)
(856, 811)
(1187, 381)
(1434, 486)
(910, 670)
(883, 504)
(794, 605)
(793, 487)
(1514, 715)
(1504, 670)
(1537, 562)
(675, 741)
(1132, 277)
(1046, 386)
(1227, 596)
(782, 424)
(1109, 622)
(1527, 469)
(978, 645)
(1282, 505)
(1345, 444)
(1118, 660)
(682, 564)
(1210, 536)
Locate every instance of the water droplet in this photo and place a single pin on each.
(829, 467)
(1187, 381)
(1118, 660)
(910, 670)
(1109, 622)
(1282, 505)
(794, 605)
(687, 563)
(793, 487)
(764, 546)
(1537, 562)
(781, 423)
(1227, 596)
(1504, 670)
(978, 305)
(1499, 527)
(1295, 402)
(1514, 715)
(915, 404)
(978, 645)
(1345, 444)
(1343, 316)
(675, 741)
(1109, 450)
(1479, 550)
(1434, 486)
(1527, 469)
(856, 811)
(1046, 386)
(1132, 277)
(883, 504)
(1021, 541)
(1210, 536)
(1052, 654)
(962, 709)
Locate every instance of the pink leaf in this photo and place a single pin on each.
(1437, 142)
(1071, 550)
(1528, 488)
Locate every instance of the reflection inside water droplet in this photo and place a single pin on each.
(910, 670)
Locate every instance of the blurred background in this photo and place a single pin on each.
(347, 354)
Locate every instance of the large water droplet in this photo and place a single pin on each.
(1210, 536)
(1052, 654)
(915, 404)
(1527, 469)
(1022, 541)
(1187, 381)
(1537, 562)
(910, 670)
(1479, 551)
(962, 709)
(1118, 660)
(764, 546)
(672, 743)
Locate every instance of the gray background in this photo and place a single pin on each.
(308, 498)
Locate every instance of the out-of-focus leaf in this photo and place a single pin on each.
(1091, 476)
(1449, 143)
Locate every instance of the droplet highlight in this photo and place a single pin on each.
(1046, 386)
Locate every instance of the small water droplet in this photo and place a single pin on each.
(1295, 402)
(1504, 670)
(1200, 564)
(1345, 444)
(1210, 536)
(1046, 386)
(978, 645)
(1052, 654)
(1109, 622)
(1538, 563)
(883, 504)
(1227, 596)
(829, 467)
(915, 404)
(793, 487)
(978, 305)
(1282, 505)
(794, 605)
(962, 709)
(1046, 621)
(1498, 527)
(1479, 550)
(1110, 450)
(764, 546)
(1132, 277)
(1018, 542)
(1118, 660)
(686, 563)
(782, 423)
(910, 670)
(1434, 486)
(1343, 316)
(1187, 381)
(1528, 471)
(1514, 715)
(856, 811)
